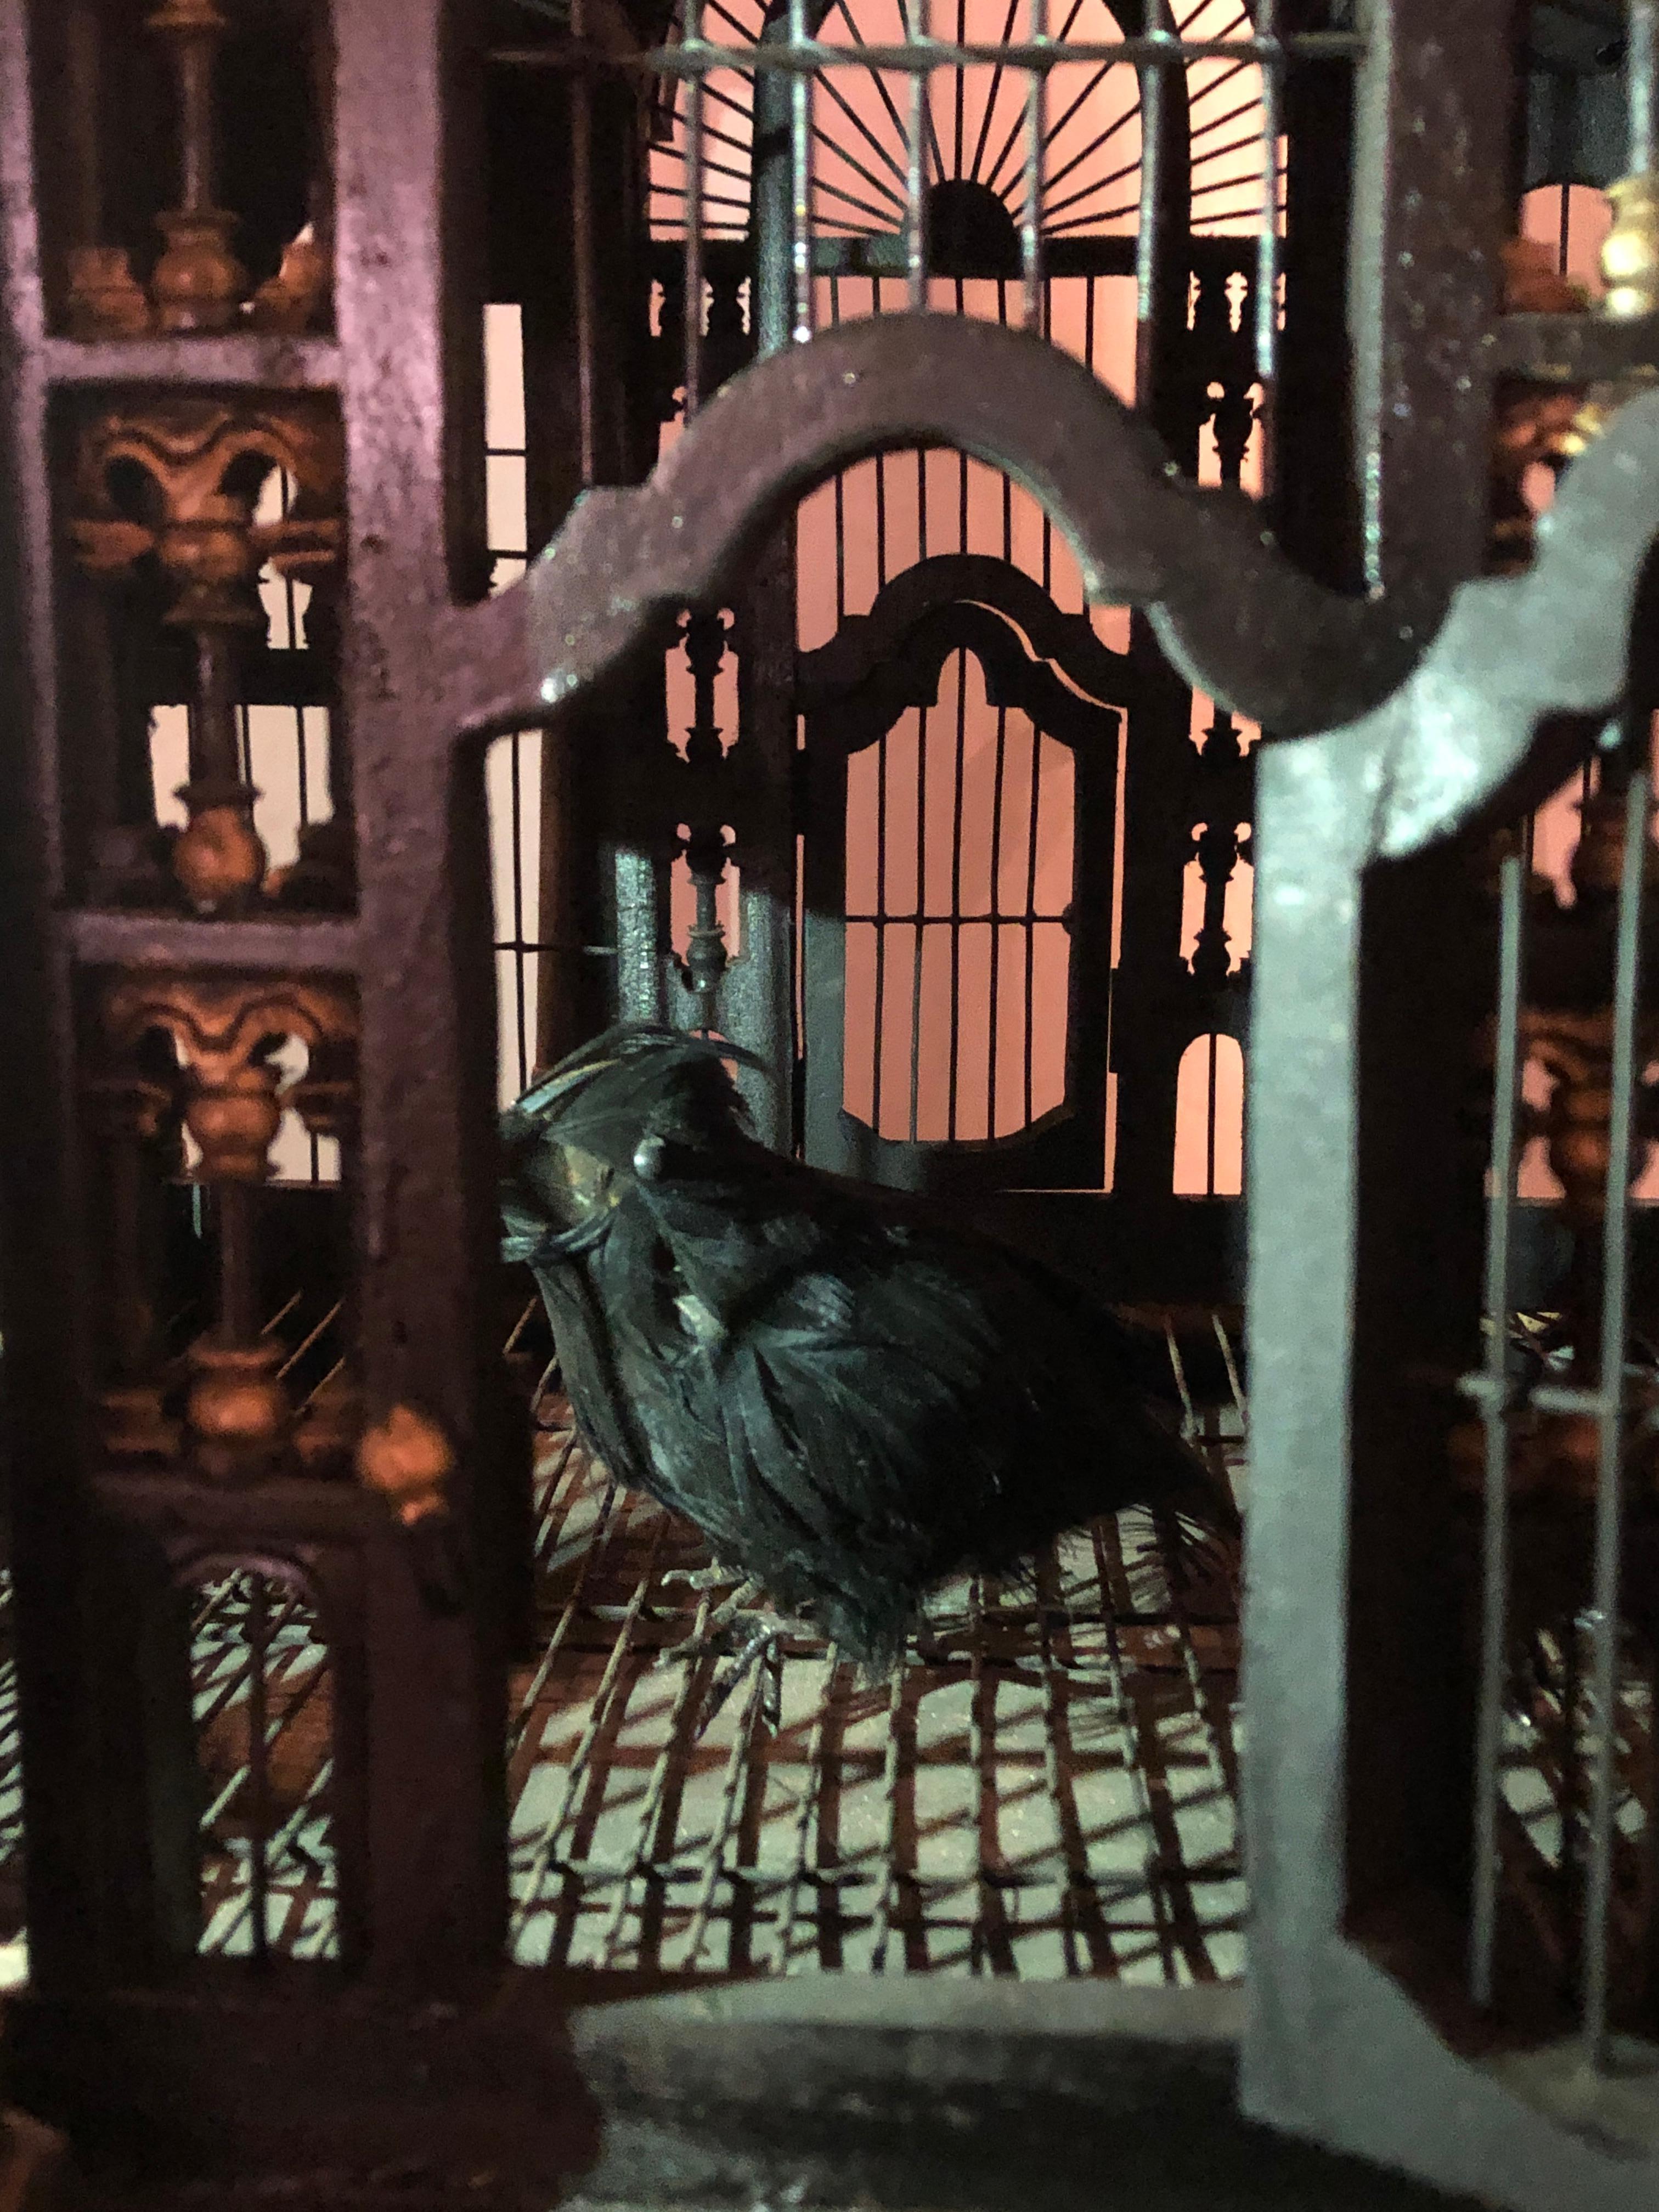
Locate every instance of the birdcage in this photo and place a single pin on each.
(792, 522)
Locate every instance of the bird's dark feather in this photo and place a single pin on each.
(850, 1395)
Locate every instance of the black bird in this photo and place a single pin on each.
(851, 1395)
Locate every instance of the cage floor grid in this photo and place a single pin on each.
(1045, 1786)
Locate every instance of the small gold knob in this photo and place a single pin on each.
(1630, 256)
(407, 1458)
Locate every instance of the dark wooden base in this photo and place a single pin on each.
(287, 2092)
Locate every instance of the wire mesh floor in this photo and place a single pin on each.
(1045, 1786)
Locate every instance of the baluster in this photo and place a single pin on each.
(105, 299)
(705, 635)
(135, 1122)
(197, 284)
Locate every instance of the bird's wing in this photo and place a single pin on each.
(926, 1366)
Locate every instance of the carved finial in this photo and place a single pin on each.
(407, 1458)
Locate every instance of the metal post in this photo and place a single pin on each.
(1495, 1418)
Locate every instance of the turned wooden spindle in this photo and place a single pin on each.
(135, 1124)
(105, 299)
(198, 283)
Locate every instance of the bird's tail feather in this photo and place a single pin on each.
(1168, 1476)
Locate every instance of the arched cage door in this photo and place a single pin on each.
(961, 754)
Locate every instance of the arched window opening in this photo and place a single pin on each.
(263, 1695)
(1209, 1161)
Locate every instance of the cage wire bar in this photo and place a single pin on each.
(1610, 1411)
(826, 255)
(1495, 1411)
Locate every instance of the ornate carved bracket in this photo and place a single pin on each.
(202, 532)
(200, 464)
(222, 1027)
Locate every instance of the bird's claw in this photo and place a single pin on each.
(764, 1636)
(763, 1645)
(702, 1641)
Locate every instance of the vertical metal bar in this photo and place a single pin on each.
(1031, 910)
(1152, 163)
(880, 1010)
(1036, 119)
(914, 17)
(693, 339)
(998, 776)
(841, 493)
(581, 219)
(800, 178)
(1642, 83)
(921, 923)
(259, 1766)
(1615, 1300)
(517, 832)
(1267, 248)
(1495, 1417)
(958, 798)
(771, 200)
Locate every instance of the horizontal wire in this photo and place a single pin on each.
(808, 57)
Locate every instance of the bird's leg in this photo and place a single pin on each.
(714, 1577)
(539, 1395)
(764, 1635)
(706, 1638)
(740, 1604)
(763, 1645)
(759, 1646)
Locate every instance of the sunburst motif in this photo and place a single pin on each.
(975, 132)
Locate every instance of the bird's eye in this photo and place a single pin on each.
(649, 1158)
